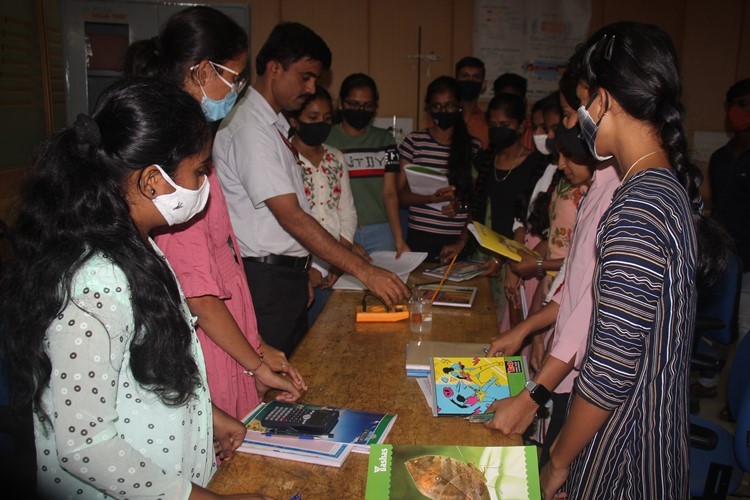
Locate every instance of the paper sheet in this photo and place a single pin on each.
(426, 184)
(387, 260)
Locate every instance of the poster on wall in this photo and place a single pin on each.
(533, 39)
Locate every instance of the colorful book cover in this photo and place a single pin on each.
(465, 386)
(419, 354)
(449, 295)
(400, 472)
(356, 428)
(461, 270)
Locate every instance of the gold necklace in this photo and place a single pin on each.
(513, 167)
(636, 162)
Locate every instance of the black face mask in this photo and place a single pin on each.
(502, 137)
(357, 118)
(313, 134)
(446, 120)
(470, 89)
(570, 143)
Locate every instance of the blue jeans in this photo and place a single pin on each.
(374, 237)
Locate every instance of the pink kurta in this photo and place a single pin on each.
(206, 258)
(577, 300)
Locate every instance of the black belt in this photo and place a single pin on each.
(283, 260)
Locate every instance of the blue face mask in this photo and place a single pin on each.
(216, 110)
(589, 128)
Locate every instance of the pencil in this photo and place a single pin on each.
(445, 275)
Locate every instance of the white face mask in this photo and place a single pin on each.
(540, 141)
(182, 204)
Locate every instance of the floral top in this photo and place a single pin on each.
(329, 193)
(562, 216)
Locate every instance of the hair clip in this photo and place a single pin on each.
(608, 49)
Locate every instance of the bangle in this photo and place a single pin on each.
(539, 270)
(251, 373)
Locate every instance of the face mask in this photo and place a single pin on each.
(503, 137)
(216, 110)
(739, 119)
(182, 204)
(313, 134)
(357, 118)
(446, 120)
(540, 142)
(570, 143)
(469, 89)
(589, 128)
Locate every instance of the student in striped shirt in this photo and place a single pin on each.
(445, 146)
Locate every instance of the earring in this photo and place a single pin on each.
(153, 191)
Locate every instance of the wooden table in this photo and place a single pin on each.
(362, 366)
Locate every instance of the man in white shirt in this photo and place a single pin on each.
(259, 173)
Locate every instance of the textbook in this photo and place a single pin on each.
(467, 386)
(419, 354)
(462, 270)
(426, 181)
(296, 448)
(355, 429)
(498, 243)
(401, 472)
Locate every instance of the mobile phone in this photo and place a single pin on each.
(297, 418)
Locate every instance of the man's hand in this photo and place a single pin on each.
(385, 285)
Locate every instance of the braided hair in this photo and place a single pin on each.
(637, 64)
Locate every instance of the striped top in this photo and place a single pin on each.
(419, 148)
(638, 356)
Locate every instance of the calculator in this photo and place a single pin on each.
(294, 418)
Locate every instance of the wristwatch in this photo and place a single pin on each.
(539, 394)
(539, 271)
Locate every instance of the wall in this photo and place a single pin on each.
(377, 36)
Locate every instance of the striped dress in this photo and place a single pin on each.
(429, 229)
(637, 361)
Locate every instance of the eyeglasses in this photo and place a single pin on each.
(367, 106)
(448, 107)
(239, 83)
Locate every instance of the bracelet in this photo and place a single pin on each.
(251, 373)
(539, 270)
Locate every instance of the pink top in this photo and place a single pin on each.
(205, 257)
(577, 301)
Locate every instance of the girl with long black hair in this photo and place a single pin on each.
(97, 333)
(445, 146)
(626, 435)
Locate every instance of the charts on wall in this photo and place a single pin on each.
(533, 39)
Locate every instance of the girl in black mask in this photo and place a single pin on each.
(327, 187)
(445, 146)
(511, 169)
(372, 160)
